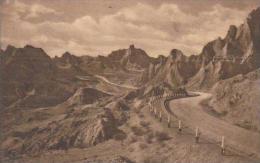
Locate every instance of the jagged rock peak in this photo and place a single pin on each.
(31, 50)
(254, 14)
(9, 49)
(70, 58)
(232, 31)
(28, 51)
(176, 54)
(131, 49)
(29, 46)
(132, 46)
(67, 55)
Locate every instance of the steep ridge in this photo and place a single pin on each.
(238, 52)
(68, 66)
(53, 80)
(29, 69)
(67, 60)
(131, 59)
(135, 59)
(81, 121)
(236, 100)
(152, 69)
(87, 96)
(175, 70)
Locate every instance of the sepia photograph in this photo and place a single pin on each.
(129, 81)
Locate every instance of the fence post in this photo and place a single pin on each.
(180, 126)
(197, 135)
(169, 121)
(223, 145)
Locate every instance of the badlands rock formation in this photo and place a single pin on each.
(220, 59)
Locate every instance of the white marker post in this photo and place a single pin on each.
(160, 116)
(223, 145)
(180, 126)
(197, 135)
(155, 112)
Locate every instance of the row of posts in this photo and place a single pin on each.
(197, 131)
(169, 95)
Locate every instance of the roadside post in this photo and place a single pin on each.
(180, 128)
(197, 135)
(223, 145)
(160, 116)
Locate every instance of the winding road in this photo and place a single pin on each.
(104, 79)
(109, 82)
(191, 112)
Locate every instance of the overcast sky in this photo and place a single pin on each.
(96, 27)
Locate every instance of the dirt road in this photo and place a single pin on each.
(191, 112)
(104, 79)
(114, 84)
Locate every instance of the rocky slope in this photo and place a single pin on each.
(135, 59)
(131, 59)
(29, 69)
(68, 65)
(87, 96)
(236, 100)
(31, 78)
(87, 118)
(176, 69)
(237, 53)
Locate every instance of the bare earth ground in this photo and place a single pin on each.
(151, 141)
(148, 140)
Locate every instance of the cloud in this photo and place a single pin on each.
(155, 29)
(36, 10)
(28, 11)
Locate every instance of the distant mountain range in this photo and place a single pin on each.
(54, 79)
(28, 68)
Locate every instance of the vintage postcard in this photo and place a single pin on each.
(129, 81)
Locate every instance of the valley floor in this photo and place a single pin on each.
(149, 140)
